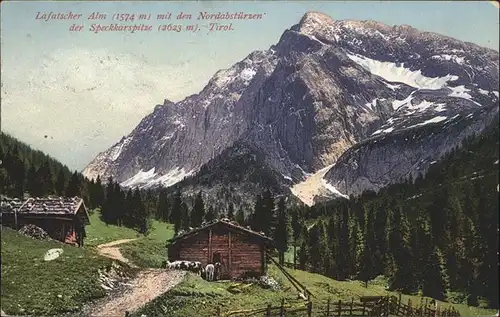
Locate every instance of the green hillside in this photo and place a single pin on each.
(434, 235)
(196, 297)
(33, 286)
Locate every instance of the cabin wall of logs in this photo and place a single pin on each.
(239, 253)
(66, 230)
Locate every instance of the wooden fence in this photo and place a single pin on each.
(369, 306)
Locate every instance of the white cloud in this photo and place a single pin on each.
(84, 101)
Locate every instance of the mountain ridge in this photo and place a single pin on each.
(324, 87)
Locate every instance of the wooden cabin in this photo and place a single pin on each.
(63, 218)
(241, 251)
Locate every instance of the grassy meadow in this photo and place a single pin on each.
(32, 286)
(197, 297)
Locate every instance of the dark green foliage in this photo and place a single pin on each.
(240, 217)
(163, 210)
(210, 215)
(198, 212)
(24, 171)
(175, 215)
(435, 235)
(281, 232)
(230, 211)
(263, 217)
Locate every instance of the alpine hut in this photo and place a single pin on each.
(63, 218)
(241, 251)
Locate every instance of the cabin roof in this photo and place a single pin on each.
(47, 206)
(224, 222)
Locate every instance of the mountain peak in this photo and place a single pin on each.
(313, 20)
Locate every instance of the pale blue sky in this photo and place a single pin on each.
(55, 82)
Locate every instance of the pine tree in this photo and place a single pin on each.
(31, 182)
(16, 169)
(4, 180)
(303, 255)
(281, 232)
(257, 217)
(44, 180)
(119, 205)
(128, 216)
(268, 213)
(74, 186)
(230, 211)
(99, 192)
(240, 217)
(141, 220)
(296, 226)
(163, 209)
(175, 215)
(400, 269)
(198, 212)
(314, 237)
(184, 214)
(60, 185)
(210, 215)
(435, 283)
(108, 207)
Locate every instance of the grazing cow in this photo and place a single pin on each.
(197, 267)
(171, 265)
(209, 270)
(217, 270)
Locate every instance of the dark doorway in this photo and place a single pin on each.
(216, 258)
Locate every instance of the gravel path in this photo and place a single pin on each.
(111, 250)
(148, 285)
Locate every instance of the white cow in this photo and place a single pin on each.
(209, 271)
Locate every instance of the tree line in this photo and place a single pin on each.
(435, 235)
(25, 172)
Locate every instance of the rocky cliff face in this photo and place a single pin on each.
(380, 161)
(325, 88)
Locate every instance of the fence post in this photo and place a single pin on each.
(399, 304)
(282, 309)
(421, 306)
(309, 308)
(339, 308)
(364, 309)
(328, 308)
(350, 308)
(219, 312)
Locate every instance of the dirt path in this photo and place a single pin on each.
(111, 251)
(148, 285)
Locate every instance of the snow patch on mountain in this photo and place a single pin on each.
(460, 92)
(388, 130)
(372, 104)
(391, 72)
(429, 121)
(117, 149)
(150, 178)
(248, 73)
(140, 178)
(332, 189)
(393, 87)
(396, 104)
(454, 58)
